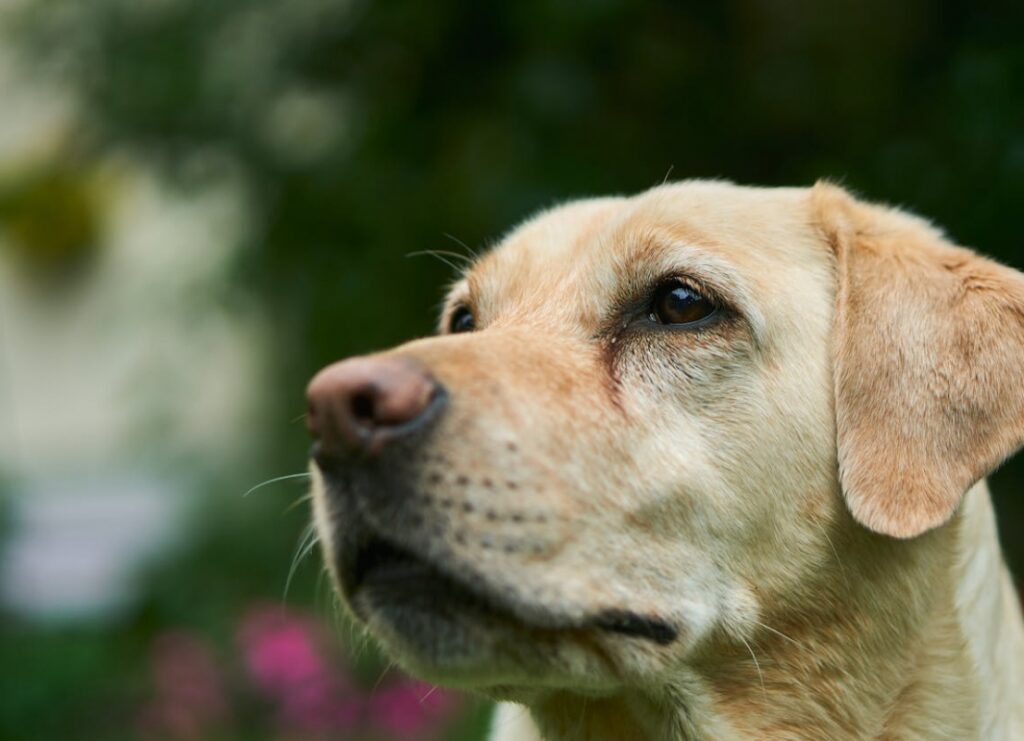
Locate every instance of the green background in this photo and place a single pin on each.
(460, 119)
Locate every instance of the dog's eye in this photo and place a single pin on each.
(676, 302)
(461, 321)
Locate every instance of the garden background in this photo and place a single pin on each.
(204, 201)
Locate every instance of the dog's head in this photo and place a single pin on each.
(637, 426)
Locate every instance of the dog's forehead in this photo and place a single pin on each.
(553, 246)
(576, 257)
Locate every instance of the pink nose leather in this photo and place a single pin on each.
(360, 404)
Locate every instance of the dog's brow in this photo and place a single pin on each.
(458, 291)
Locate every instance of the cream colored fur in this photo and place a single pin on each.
(786, 486)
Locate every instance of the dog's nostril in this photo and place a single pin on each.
(362, 406)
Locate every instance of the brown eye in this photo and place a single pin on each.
(677, 303)
(461, 321)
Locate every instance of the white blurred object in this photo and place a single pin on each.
(144, 345)
(77, 546)
(146, 362)
(143, 366)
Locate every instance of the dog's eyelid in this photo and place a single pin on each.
(459, 292)
(458, 317)
(459, 295)
(732, 306)
(726, 290)
(642, 297)
(681, 301)
(694, 284)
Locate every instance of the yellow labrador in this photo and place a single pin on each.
(702, 463)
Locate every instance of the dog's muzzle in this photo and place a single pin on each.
(370, 418)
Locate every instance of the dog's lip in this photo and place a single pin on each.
(378, 560)
(380, 565)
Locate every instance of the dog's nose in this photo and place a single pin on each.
(361, 404)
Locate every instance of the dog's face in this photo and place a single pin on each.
(620, 450)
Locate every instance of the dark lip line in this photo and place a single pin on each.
(620, 621)
(632, 624)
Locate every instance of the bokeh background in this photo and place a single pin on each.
(202, 202)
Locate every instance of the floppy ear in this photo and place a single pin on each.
(928, 364)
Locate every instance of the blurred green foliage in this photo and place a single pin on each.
(413, 120)
(365, 131)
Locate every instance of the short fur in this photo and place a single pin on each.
(795, 488)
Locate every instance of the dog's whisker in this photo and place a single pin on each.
(798, 644)
(298, 502)
(839, 561)
(445, 253)
(474, 254)
(268, 482)
(307, 543)
(309, 535)
(336, 610)
(376, 685)
(318, 592)
(360, 638)
(443, 256)
(779, 633)
(757, 666)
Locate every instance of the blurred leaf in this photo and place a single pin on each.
(51, 220)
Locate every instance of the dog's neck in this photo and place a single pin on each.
(945, 662)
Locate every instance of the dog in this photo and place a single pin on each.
(703, 463)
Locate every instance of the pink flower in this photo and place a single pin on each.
(282, 654)
(410, 709)
(189, 696)
(279, 650)
(288, 659)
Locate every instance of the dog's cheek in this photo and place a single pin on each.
(727, 474)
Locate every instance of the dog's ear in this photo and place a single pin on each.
(928, 364)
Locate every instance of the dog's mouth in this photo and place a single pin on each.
(386, 576)
(381, 566)
(378, 560)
